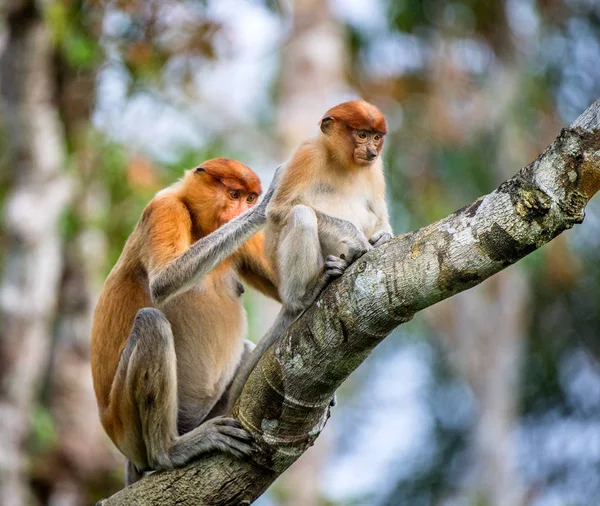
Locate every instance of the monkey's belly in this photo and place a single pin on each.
(209, 328)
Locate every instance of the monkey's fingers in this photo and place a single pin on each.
(226, 420)
(227, 434)
(231, 445)
(379, 238)
(356, 249)
(231, 427)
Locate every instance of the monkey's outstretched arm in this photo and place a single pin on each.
(205, 254)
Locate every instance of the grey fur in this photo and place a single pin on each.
(307, 236)
(149, 365)
(205, 254)
(131, 473)
(208, 252)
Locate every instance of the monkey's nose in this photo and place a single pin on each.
(371, 154)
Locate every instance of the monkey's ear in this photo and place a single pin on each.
(326, 124)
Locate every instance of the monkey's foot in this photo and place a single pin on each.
(227, 435)
(356, 249)
(379, 238)
(334, 267)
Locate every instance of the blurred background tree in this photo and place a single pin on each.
(490, 398)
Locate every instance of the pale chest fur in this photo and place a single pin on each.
(351, 198)
(205, 363)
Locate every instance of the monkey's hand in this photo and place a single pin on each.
(378, 238)
(334, 268)
(272, 187)
(224, 434)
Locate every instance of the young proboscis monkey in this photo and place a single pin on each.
(328, 209)
(169, 327)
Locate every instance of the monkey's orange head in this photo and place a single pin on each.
(355, 130)
(221, 189)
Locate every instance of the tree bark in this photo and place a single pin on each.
(285, 402)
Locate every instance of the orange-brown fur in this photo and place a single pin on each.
(329, 159)
(208, 320)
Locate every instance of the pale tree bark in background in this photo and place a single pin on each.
(39, 193)
(83, 458)
(313, 64)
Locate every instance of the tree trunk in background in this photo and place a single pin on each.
(312, 81)
(83, 458)
(37, 196)
(312, 73)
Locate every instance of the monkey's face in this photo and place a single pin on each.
(367, 145)
(221, 190)
(234, 201)
(353, 131)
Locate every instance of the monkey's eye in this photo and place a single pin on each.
(362, 135)
(377, 137)
(251, 198)
(234, 194)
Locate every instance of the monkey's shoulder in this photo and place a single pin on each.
(300, 169)
(165, 209)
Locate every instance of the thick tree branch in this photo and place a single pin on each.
(285, 401)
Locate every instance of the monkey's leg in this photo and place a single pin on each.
(305, 274)
(341, 238)
(145, 397)
(304, 277)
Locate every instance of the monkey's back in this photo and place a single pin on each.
(125, 292)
